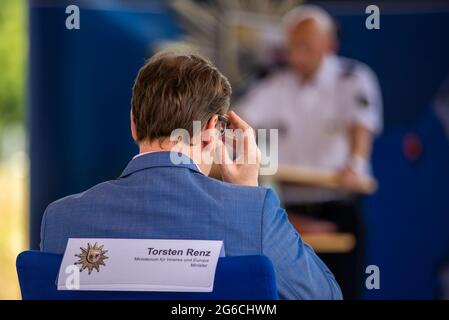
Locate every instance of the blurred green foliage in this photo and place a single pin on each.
(13, 52)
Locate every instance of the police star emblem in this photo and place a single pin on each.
(91, 257)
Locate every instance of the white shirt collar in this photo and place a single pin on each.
(144, 153)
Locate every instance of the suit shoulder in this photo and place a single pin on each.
(254, 194)
(75, 198)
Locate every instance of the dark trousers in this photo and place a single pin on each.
(347, 267)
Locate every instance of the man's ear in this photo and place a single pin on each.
(209, 130)
(212, 123)
(133, 126)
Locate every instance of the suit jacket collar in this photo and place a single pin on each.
(159, 159)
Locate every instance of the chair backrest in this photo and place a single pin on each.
(237, 278)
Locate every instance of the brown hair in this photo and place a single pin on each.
(173, 90)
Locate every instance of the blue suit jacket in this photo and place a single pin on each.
(156, 199)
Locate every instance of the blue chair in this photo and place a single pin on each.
(237, 278)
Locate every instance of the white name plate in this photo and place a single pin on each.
(139, 265)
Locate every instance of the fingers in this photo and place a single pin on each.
(236, 122)
(225, 156)
(227, 166)
(242, 142)
(239, 153)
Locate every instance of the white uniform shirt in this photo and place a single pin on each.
(314, 118)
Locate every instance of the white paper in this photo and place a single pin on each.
(139, 265)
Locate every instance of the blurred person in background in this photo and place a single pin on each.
(327, 109)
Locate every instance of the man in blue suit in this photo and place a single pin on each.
(165, 191)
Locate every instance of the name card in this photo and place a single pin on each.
(139, 265)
